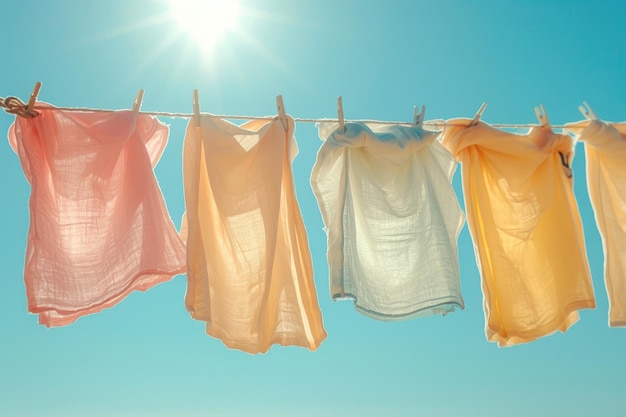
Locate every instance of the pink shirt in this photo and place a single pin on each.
(99, 228)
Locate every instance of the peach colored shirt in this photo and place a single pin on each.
(249, 270)
(605, 149)
(526, 229)
(99, 228)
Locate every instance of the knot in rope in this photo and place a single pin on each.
(14, 105)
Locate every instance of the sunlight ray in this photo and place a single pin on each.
(271, 56)
(119, 31)
(153, 56)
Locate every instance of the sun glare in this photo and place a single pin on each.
(206, 21)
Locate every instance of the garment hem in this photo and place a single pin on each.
(275, 340)
(617, 323)
(140, 282)
(571, 317)
(429, 310)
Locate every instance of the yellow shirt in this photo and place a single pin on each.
(526, 229)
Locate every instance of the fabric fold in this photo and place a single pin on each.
(391, 217)
(99, 227)
(249, 270)
(526, 229)
(605, 151)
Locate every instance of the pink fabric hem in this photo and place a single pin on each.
(51, 316)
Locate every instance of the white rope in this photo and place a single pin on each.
(15, 106)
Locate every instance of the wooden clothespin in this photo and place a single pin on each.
(30, 107)
(340, 114)
(418, 117)
(587, 111)
(542, 116)
(478, 114)
(196, 108)
(282, 115)
(137, 102)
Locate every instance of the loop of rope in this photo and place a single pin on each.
(14, 105)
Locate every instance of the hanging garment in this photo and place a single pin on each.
(249, 267)
(99, 228)
(605, 149)
(392, 219)
(526, 229)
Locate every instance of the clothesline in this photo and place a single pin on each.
(439, 123)
(436, 123)
(14, 105)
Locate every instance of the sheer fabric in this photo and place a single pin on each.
(99, 228)
(526, 229)
(605, 151)
(249, 270)
(392, 219)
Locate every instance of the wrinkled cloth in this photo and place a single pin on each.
(99, 228)
(392, 219)
(249, 270)
(605, 151)
(526, 229)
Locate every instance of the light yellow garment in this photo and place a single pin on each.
(526, 229)
(605, 149)
(249, 267)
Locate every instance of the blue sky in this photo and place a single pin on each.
(147, 357)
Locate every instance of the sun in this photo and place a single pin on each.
(206, 21)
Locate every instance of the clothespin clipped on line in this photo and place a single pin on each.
(30, 107)
(196, 108)
(542, 116)
(418, 117)
(282, 115)
(478, 114)
(340, 114)
(13, 105)
(137, 102)
(587, 111)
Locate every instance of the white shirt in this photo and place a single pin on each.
(392, 219)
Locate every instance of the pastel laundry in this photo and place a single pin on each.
(392, 219)
(605, 149)
(526, 229)
(99, 228)
(249, 270)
